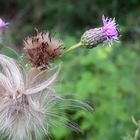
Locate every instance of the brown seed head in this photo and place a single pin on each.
(42, 49)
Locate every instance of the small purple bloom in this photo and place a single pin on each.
(110, 29)
(108, 33)
(2, 24)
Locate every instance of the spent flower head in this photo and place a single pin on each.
(42, 49)
(109, 32)
(29, 104)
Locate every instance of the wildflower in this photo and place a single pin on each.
(108, 33)
(2, 24)
(28, 102)
(42, 49)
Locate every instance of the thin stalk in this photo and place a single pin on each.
(73, 47)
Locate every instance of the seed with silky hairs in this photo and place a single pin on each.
(109, 33)
(42, 49)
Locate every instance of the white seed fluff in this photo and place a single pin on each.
(29, 104)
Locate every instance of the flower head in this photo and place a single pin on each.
(110, 29)
(28, 102)
(2, 24)
(108, 33)
(42, 49)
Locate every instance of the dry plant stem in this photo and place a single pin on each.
(73, 47)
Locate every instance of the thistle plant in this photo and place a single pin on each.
(42, 49)
(91, 38)
(29, 104)
(108, 33)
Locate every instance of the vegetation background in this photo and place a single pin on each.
(107, 78)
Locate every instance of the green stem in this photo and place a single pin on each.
(73, 47)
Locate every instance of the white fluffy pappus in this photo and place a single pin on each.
(29, 104)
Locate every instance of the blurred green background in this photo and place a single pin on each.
(107, 78)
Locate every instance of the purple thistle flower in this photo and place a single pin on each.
(110, 29)
(2, 24)
(108, 33)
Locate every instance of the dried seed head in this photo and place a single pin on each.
(42, 49)
(109, 32)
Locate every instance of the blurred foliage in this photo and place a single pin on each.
(136, 134)
(107, 78)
